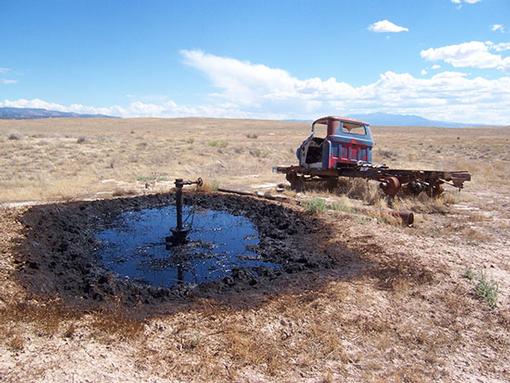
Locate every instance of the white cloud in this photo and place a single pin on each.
(248, 90)
(435, 67)
(473, 54)
(458, 2)
(498, 28)
(270, 92)
(5, 80)
(386, 26)
(133, 109)
(423, 72)
(498, 47)
(261, 90)
(77, 108)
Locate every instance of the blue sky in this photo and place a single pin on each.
(441, 59)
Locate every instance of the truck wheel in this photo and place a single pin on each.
(390, 186)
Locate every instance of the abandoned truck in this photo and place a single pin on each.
(346, 151)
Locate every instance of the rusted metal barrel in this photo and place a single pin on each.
(406, 216)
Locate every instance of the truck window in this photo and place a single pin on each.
(321, 130)
(354, 129)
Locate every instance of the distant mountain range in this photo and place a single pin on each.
(387, 119)
(371, 118)
(32, 113)
(406, 120)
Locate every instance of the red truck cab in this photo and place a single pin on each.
(348, 142)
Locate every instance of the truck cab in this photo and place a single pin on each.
(348, 142)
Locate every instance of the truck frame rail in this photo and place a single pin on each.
(392, 181)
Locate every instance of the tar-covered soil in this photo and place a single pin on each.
(58, 256)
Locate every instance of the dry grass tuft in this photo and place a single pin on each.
(383, 216)
(119, 192)
(328, 378)
(15, 342)
(46, 317)
(361, 189)
(246, 348)
(479, 217)
(70, 331)
(343, 204)
(14, 137)
(52, 318)
(474, 235)
(209, 186)
(116, 323)
(425, 204)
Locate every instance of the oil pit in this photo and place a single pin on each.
(218, 244)
(117, 250)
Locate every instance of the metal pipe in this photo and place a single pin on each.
(179, 233)
(178, 202)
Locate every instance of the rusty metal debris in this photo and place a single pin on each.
(266, 195)
(407, 217)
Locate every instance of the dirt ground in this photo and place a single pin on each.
(372, 300)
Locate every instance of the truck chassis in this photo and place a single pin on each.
(391, 181)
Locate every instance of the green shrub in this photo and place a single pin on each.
(315, 205)
(487, 290)
(469, 274)
(218, 144)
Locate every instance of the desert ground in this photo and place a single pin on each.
(430, 302)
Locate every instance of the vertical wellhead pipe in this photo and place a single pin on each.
(178, 202)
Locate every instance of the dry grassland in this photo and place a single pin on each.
(66, 158)
(426, 303)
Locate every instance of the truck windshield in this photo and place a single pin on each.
(353, 129)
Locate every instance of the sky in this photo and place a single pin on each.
(287, 59)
